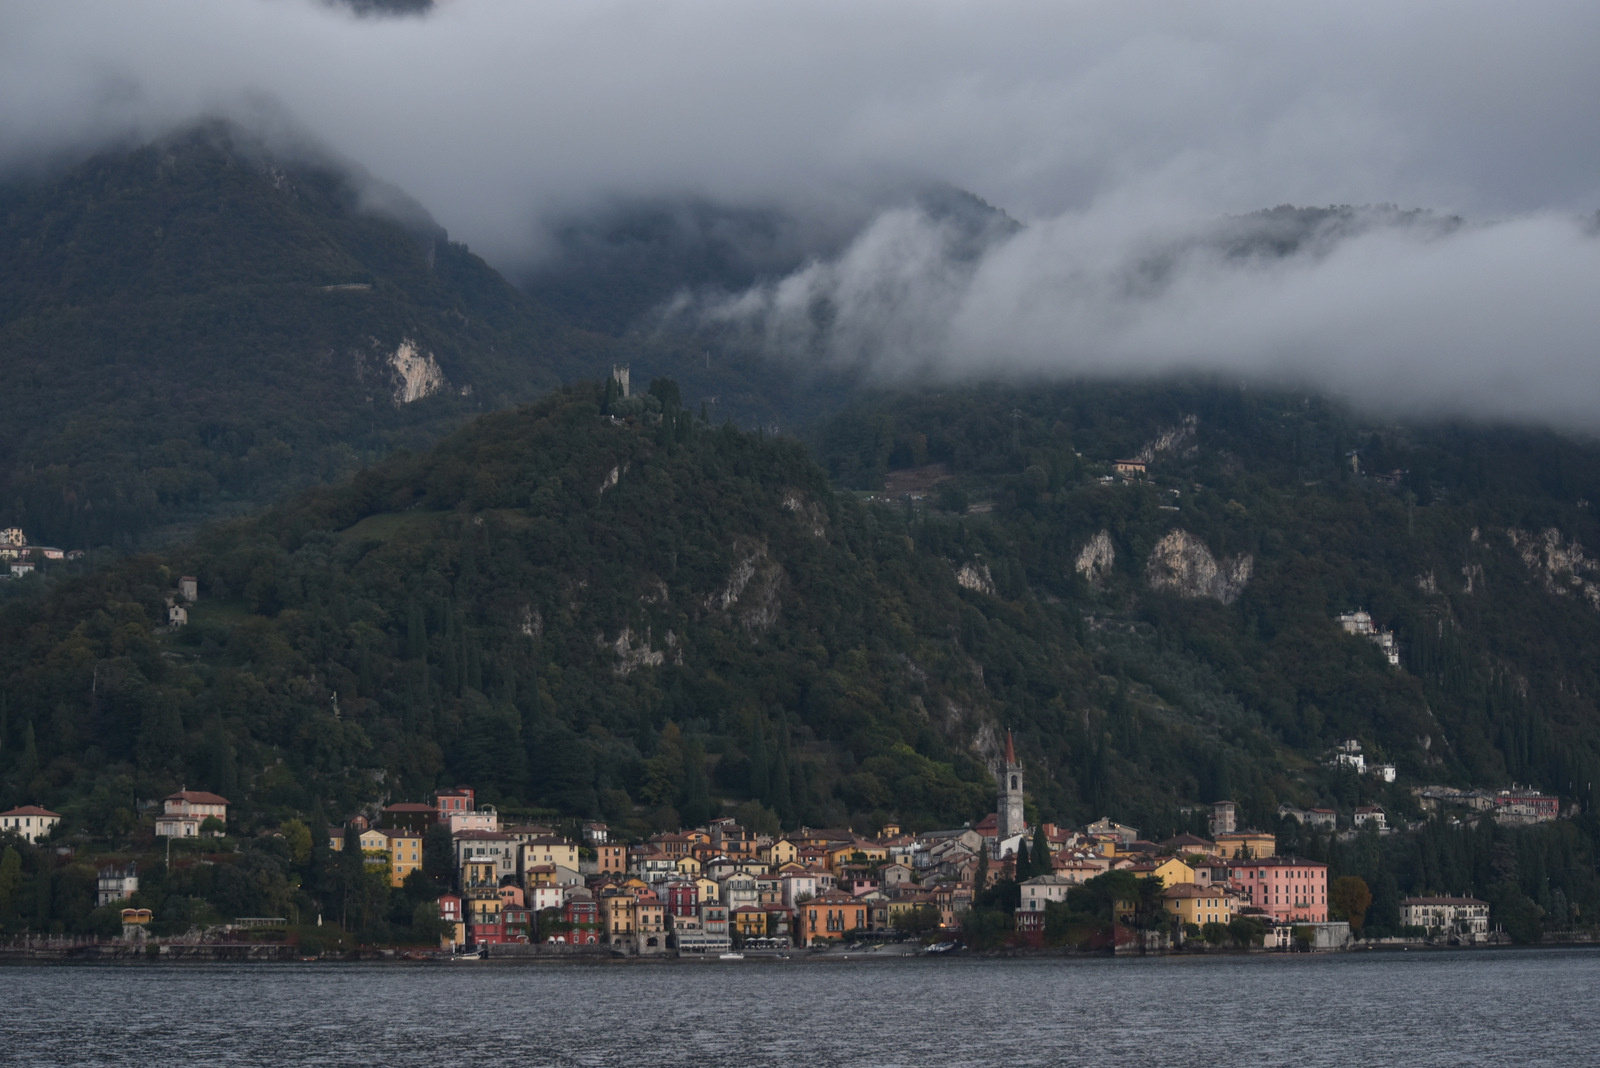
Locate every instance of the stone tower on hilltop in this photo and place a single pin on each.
(1009, 804)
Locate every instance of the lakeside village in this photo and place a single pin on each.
(719, 890)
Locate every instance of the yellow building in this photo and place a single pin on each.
(750, 921)
(480, 889)
(1106, 844)
(1173, 872)
(860, 850)
(1252, 844)
(375, 847)
(548, 849)
(652, 921)
(782, 852)
(908, 903)
(618, 916)
(689, 866)
(1200, 905)
(709, 892)
(405, 854)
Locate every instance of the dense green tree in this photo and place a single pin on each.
(1348, 899)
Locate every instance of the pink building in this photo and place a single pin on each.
(1288, 889)
(454, 802)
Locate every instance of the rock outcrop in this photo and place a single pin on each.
(808, 512)
(633, 655)
(1096, 559)
(417, 374)
(975, 577)
(753, 587)
(1169, 439)
(1562, 565)
(1181, 563)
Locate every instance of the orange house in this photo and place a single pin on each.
(750, 921)
(830, 916)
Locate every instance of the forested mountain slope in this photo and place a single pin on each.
(202, 324)
(635, 614)
(1466, 542)
(567, 608)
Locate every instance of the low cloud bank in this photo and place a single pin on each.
(1404, 313)
(1107, 127)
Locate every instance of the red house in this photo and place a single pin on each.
(516, 923)
(583, 914)
(461, 799)
(682, 899)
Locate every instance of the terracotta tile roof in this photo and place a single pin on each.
(31, 810)
(197, 797)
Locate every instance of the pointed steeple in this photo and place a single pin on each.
(1009, 805)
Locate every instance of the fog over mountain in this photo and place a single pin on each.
(1121, 136)
(1405, 316)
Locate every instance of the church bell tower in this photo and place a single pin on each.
(1009, 804)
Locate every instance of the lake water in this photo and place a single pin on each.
(1414, 1009)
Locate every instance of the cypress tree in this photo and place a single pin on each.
(760, 772)
(782, 793)
(1042, 864)
(416, 633)
(1024, 863)
(10, 880)
(474, 662)
(451, 678)
(30, 754)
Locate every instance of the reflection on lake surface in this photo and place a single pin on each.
(1515, 1007)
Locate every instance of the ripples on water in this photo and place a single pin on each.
(1413, 1009)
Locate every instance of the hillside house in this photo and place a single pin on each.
(185, 812)
(1526, 804)
(117, 882)
(30, 822)
(1360, 623)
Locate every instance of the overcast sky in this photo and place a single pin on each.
(1104, 126)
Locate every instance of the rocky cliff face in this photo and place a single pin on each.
(417, 374)
(1096, 558)
(1560, 564)
(975, 577)
(1182, 564)
(1171, 439)
(752, 593)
